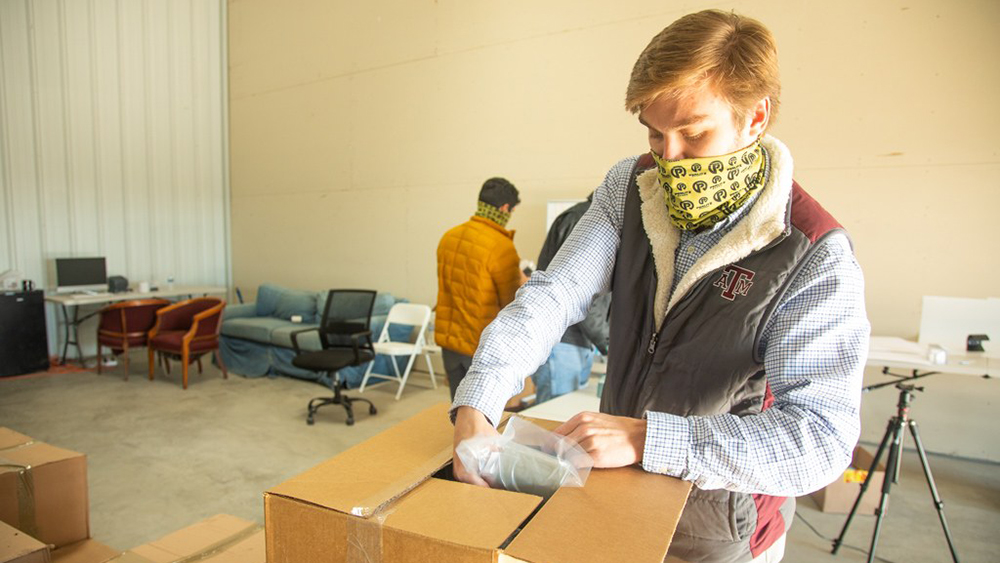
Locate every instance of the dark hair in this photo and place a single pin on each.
(499, 191)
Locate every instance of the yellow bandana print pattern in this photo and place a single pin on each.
(700, 192)
(492, 213)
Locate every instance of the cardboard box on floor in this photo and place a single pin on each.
(219, 539)
(378, 502)
(18, 547)
(838, 497)
(86, 551)
(43, 489)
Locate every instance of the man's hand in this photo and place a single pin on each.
(613, 441)
(468, 423)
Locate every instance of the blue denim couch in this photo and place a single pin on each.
(255, 338)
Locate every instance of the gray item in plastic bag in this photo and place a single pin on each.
(526, 459)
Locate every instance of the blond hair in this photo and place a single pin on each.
(734, 55)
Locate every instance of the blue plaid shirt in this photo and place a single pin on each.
(814, 349)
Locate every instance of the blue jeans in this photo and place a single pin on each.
(566, 370)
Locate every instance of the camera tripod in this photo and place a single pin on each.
(894, 437)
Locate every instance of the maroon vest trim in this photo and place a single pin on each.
(808, 216)
(645, 162)
(770, 523)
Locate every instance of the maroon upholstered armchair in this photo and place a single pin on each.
(125, 325)
(186, 331)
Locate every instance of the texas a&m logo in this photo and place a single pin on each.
(734, 281)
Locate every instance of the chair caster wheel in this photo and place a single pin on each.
(310, 421)
(372, 410)
(350, 422)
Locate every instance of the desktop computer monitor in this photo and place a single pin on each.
(81, 274)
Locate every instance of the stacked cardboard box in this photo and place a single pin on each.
(43, 495)
(44, 516)
(43, 489)
(387, 500)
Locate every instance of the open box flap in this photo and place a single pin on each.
(460, 513)
(582, 524)
(373, 473)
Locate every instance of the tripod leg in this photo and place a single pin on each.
(864, 487)
(938, 503)
(891, 474)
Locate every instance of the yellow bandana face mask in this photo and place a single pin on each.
(700, 192)
(494, 214)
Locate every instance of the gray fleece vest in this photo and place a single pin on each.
(703, 359)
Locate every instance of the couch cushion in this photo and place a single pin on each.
(283, 337)
(294, 302)
(267, 299)
(383, 302)
(257, 329)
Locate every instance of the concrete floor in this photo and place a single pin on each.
(160, 458)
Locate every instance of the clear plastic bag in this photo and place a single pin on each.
(526, 458)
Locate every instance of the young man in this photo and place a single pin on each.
(478, 273)
(738, 328)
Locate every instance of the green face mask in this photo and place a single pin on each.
(702, 191)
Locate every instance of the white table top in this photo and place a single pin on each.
(563, 408)
(74, 299)
(898, 353)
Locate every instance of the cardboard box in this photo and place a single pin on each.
(18, 547)
(838, 497)
(385, 500)
(86, 551)
(219, 539)
(43, 489)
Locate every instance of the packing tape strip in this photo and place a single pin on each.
(364, 538)
(18, 446)
(403, 485)
(25, 497)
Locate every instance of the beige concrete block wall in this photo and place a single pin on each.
(360, 132)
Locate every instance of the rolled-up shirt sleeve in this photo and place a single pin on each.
(814, 349)
(521, 337)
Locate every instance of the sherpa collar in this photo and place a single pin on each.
(763, 223)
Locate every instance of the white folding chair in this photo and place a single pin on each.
(410, 314)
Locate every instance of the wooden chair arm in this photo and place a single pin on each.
(191, 334)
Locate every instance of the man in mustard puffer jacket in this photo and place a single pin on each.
(478, 273)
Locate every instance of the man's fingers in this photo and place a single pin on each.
(469, 477)
(570, 425)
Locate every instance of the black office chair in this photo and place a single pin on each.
(346, 337)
